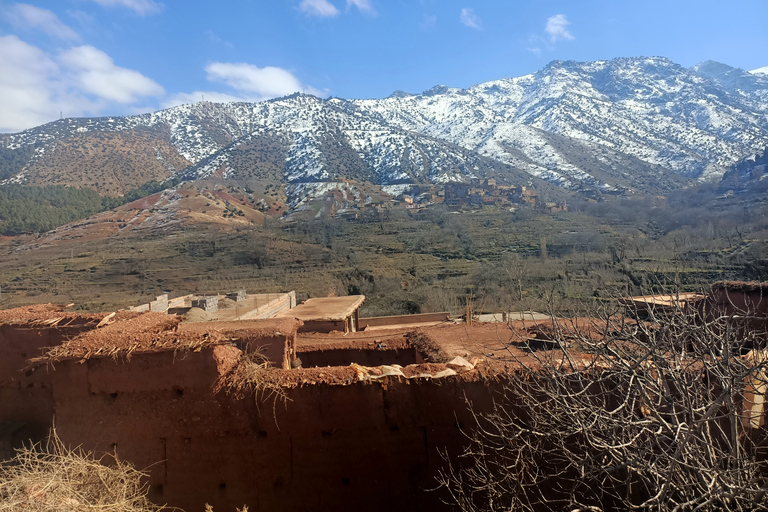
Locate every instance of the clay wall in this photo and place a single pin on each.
(277, 347)
(25, 393)
(323, 326)
(362, 446)
(280, 351)
(737, 302)
(365, 357)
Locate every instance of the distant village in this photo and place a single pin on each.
(455, 196)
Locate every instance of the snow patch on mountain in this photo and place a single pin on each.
(647, 111)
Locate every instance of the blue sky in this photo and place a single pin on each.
(106, 57)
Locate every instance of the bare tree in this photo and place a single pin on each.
(662, 414)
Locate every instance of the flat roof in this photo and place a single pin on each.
(665, 300)
(326, 309)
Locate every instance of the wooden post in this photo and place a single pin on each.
(356, 325)
(469, 310)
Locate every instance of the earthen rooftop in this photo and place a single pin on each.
(665, 300)
(326, 309)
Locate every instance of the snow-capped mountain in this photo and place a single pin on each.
(693, 122)
(626, 124)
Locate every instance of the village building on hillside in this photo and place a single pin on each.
(479, 193)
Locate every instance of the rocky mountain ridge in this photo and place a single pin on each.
(624, 125)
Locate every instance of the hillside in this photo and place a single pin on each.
(170, 211)
(622, 126)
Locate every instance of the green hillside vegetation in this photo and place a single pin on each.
(418, 261)
(38, 209)
(13, 160)
(31, 210)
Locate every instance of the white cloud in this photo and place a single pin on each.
(321, 8)
(248, 82)
(363, 5)
(255, 82)
(141, 7)
(95, 72)
(36, 87)
(27, 85)
(470, 19)
(557, 28)
(27, 16)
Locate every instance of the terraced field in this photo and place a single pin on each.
(403, 262)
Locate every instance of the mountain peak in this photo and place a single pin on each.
(733, 80)
(760, 71)
(712, 67)
(634, 123)
(438, 89)
(400, 94)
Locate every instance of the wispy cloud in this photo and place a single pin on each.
(322, 8)
(35, 86)
(213, 38)
(140, 7)
(534, 50)
(470, 19)
(557, 28)
(428, 22)
(363, 5)
(25, 16)
(247, 83)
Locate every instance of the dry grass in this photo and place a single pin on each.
(251, 376)
(51, 477)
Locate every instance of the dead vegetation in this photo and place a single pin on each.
(251, 376)
(50, 477)
(664, 414)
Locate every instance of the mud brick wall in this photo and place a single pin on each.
(323, 326)
(25, 393)
(365, 357)
(362, 446)
(379, 321)
(728, 302)
(277, 343)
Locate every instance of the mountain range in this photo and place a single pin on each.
(619, 126)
